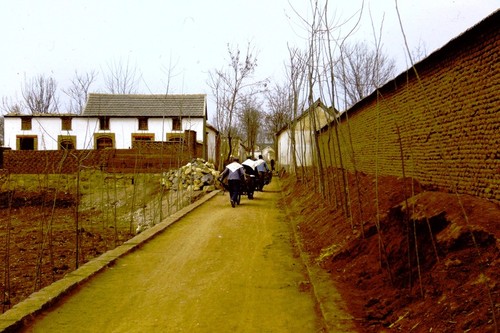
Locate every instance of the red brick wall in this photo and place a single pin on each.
(446, 126)
(53, 161)
(145, 156)
(155, 157)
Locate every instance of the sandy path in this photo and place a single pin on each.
(219, 269)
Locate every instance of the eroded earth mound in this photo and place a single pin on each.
(404, 258)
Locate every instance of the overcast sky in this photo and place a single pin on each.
(57, 37)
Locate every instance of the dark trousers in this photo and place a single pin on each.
(250, 182)
(234, 189)
(260, 180)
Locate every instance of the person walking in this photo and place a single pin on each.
(262, 169)
(235, 176)
(251, 175)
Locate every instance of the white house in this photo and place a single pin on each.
(268, 153)
(303, 129)
(48, 132)
(212, 143)
(115, 121)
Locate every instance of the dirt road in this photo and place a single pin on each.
(219, 269)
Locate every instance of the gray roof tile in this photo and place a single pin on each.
(145, 105)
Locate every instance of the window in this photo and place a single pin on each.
(66, 123)
(104, 123)
(143, 137)
(66, 142)
(143, 124)
(176, 124)
(103, 141)
(66, 145)
(175, 137)
(26, 123)
(27, 142)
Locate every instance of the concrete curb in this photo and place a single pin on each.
(13, 319)
(328, 303)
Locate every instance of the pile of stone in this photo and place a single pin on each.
(198, 175)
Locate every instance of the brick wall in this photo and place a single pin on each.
(446, 125)
(153, 158)
(145, 156)
(53, 161)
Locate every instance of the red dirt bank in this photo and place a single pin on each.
(450, 286)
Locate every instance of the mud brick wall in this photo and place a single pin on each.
(53, 161)
(155, 157)
(144, 157)
(444, 124)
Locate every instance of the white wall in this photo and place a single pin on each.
(84, 129)
(211, 145)
(303, 149)
(283, 155)
(160, 127)
(193, 124)
(47, 130)
(11, 128)
(123, 129)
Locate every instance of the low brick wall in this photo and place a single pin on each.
(444, 125)
(53, 161)
(151, 158)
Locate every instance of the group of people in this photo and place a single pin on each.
(247, 177)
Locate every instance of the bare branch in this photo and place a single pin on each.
(79, 90)
(39, 95)
(122, 78)
(8, 106)
(230, 85)
(362, 70)
(250, 117)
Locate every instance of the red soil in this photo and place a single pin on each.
(432, 267)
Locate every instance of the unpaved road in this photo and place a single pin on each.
(219, 269)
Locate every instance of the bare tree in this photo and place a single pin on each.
(279, 104)
(279, 112)
(122, 78)
(39, 95)
(2, 126)
(8, 106)
(419, 52)
(250, 118)
(228, 85)
(360, 70)
(79, 90)
(220, 118)
(296, 79)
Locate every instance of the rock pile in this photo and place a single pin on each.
(198, 175)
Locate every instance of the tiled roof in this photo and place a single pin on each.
(145, 105)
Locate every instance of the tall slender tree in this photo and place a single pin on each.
(250, 119)
(228, 85)
(296, 78)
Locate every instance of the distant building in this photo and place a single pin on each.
(302, 130)
(264, 149)
(115, 121)
(1, 130)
